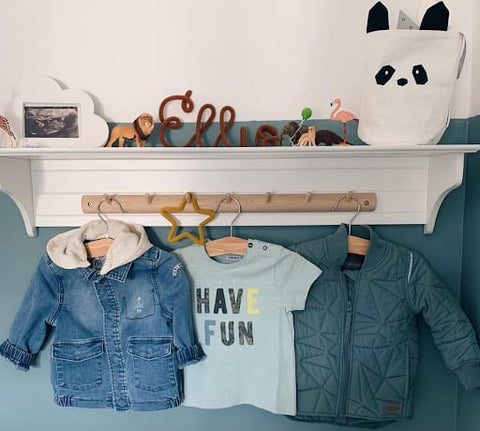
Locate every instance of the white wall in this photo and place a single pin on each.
(268, 59)
(475, 83)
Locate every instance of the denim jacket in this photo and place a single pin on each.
(123, 323)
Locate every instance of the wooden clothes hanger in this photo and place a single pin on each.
(100, 247)
(228, 244)
(355, 244)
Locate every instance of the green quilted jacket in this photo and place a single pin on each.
(356, 342)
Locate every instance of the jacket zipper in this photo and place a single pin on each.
(347, 341)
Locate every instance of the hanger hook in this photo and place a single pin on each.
(102, 216)
(359, 208)
(239, 209)
(349, 196)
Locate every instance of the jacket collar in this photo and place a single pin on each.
(336, 246)
(118, 274)
(67, 249)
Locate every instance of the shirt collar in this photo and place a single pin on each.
(336, 246)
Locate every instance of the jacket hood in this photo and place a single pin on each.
(67, 250)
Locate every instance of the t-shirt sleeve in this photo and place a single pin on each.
(294, 274)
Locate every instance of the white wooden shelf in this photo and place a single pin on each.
(410, 181)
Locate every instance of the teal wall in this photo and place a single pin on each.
(26, 398)
(469, 403)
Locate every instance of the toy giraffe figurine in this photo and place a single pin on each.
(343, 116)
(5, 128)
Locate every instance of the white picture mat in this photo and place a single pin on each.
(41, 91)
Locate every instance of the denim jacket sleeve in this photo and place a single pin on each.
(39, 307)
(176, 298)
(451, 329)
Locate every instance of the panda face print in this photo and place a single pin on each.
(435, 18)
(385, 74)
(419, 74)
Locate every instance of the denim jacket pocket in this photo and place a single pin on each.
(139, 303)
(153, 362)
(78, 363)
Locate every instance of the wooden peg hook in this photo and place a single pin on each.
(149, 197)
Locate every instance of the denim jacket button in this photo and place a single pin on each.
(122, 405)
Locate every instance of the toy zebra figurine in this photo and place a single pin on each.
(5, 127)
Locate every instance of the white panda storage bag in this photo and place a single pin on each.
(410, 79)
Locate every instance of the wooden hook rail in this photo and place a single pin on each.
(256, 203)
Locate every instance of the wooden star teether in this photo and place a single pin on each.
(187, 198)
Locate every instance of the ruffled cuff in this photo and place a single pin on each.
(20, 358)
(190, 355)
(469, 376)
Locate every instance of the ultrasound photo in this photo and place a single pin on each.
(51, 122)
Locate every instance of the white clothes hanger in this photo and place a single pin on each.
(228, 244)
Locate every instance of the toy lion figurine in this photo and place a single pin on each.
(139, 130)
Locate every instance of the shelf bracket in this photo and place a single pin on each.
(16, 182)
(444, 175)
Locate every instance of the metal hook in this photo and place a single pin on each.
(349, 196)
(103, 216)
(359, 208)
(229, 198)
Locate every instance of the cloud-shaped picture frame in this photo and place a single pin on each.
(43, 114)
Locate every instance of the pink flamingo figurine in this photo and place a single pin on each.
(343, 116)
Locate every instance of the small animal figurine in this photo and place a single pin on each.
(293, 131)
(327, 137)
(139, 131)
(308, 138)
(343, 116)
(6, 129)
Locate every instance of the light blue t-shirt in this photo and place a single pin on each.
(242, 310)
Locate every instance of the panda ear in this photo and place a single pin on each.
(377, 18)
(435, 18)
